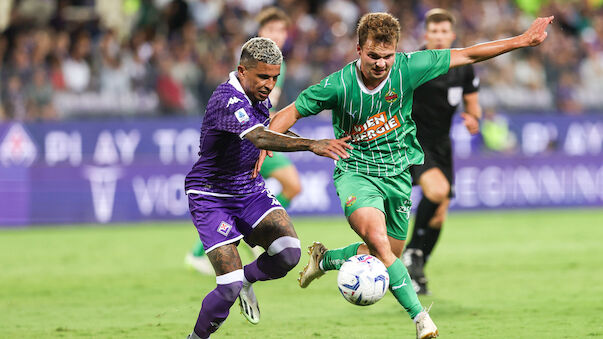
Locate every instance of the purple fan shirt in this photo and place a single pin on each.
(226, 158)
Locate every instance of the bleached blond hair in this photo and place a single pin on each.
(260, 50)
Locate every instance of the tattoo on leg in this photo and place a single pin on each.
(275, 225)
(225, 259)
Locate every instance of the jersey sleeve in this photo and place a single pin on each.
(470, 80)
(236, 117)
(428, 64)
(318, 97)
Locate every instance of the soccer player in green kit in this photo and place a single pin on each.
(371, 100)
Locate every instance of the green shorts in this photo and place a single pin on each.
(391, 195)
(270, 165)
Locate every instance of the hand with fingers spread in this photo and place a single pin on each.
(536, 34)
(332, 148)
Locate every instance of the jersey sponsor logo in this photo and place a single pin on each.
(351, 200)
(224, 228)
(391, 96)
(233, 101)
(241, 115)
(374, 127)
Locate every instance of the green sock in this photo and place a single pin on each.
(198, 250)
(283, 200)
(402, 288)
(333, 259)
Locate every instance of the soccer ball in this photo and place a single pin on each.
(363, 280)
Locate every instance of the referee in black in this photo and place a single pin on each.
(434, 104)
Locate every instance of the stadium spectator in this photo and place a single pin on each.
(76, 70)
(39, 35)
(39, 97)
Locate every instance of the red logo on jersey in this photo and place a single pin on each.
(391, 96)
(374, 127)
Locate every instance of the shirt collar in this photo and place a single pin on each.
(363, 86)
(234, 82)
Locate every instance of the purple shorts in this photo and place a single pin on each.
(221, 220)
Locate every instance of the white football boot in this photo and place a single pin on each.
(249, 304)
(312, 270)
(425, 326)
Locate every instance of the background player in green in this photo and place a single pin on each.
(371, 100)
(273, 24)
(434, 105)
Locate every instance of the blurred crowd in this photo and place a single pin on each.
(64, 59)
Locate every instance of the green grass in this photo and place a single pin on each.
(494, 275)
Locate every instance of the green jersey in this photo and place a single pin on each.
(378, 120)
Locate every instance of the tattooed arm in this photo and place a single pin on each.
(266, 139)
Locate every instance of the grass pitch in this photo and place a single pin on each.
(493, 275)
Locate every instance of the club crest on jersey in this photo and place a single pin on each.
(374, 127)
(224, 228)
(241, 115)
(351, 200)
(391, 96)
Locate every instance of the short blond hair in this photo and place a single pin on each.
(438, 15)
(380, 27)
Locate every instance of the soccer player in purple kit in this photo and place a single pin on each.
(228, 202)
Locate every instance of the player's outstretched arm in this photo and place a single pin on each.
(285, 118)
(534, 36)
(269, 140)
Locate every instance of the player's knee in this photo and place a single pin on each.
(230, 291)
(291, 189)
(379, 247)
(288, 251)
(290, 259)
(438, 194)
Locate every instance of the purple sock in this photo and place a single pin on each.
(268, 267)
(215, 307)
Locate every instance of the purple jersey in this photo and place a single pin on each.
(226, 159)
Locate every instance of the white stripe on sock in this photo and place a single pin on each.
(230, 277)
(281, 243)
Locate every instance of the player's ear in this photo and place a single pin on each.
(241, 69)
(358, 48)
